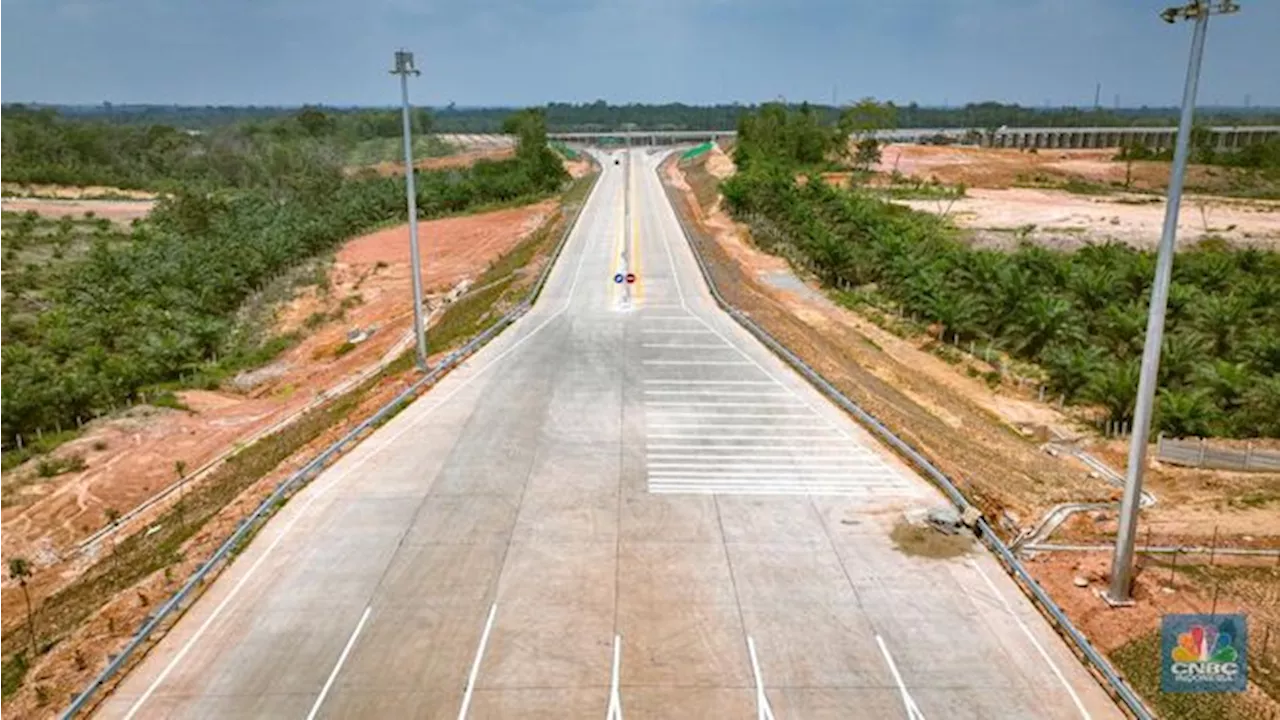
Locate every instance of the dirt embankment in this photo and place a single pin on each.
(55, 201)
(1001, 218)
(1014, 196)
(1002, 168)
(375, 270)
(133, 456)
(459, 160)
(987, 441)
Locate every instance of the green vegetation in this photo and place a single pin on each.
(1079, 316)
(1139, 662)
(141, 310)
(1254, 169)
(134, 558)
(599, 115)
(391, 149)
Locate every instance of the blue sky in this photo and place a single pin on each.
(519, 52)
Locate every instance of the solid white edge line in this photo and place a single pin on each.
(319, 492)
(763, 711)
(1040, 648)
(908, 704)
(475, 665)
(614, 711)
(342, 659)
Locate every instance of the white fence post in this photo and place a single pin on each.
(1200, 460)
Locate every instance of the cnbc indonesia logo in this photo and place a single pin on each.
(1203, 653)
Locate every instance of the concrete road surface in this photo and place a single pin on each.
(622, 507)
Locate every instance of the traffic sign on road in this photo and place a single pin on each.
(631, 277)
(618, 278)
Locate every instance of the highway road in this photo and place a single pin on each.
(624, 506)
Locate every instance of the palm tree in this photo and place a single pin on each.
(1044, 319)
(1221, 317)
(1228, 381)
(1259, 414)
(1186, 413)
(1181, 353)
(20, 570)
(1071, 368)
(1115, 388)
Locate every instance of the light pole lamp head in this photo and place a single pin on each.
(404, 64)
(1192, 10)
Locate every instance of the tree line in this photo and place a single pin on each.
(1080, 316)
(600, 115)
(161, 304)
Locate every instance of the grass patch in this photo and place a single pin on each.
(39, 445)
(924, 541)
(49, 467)
(1139, 662)
(167, 399)
(12, 672)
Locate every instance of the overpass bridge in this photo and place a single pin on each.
(1155, 138)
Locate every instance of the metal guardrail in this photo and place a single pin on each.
(983, 530)
(294, 482)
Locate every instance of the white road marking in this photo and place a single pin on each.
(717, 393)
(342, 659)
(475, 666)
(763, 711)
(696, 362)
(697, 404)
(675, 275)
(835, 470)
(729, 436)
(737, 426)
(830, 459)
(667, 317)
(749, 416)
(764, 490)
(1040, 648)
(913, 711)
(677, 381)
(614, 711)
(694, 346)
(679, 331)
(319, 492)
(809, 448)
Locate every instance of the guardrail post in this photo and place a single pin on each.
(1248, 455)
(1200, 459)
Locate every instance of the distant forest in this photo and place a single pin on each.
(599, 115)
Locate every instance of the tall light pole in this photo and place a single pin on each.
(1122, 562)
(404, 68)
